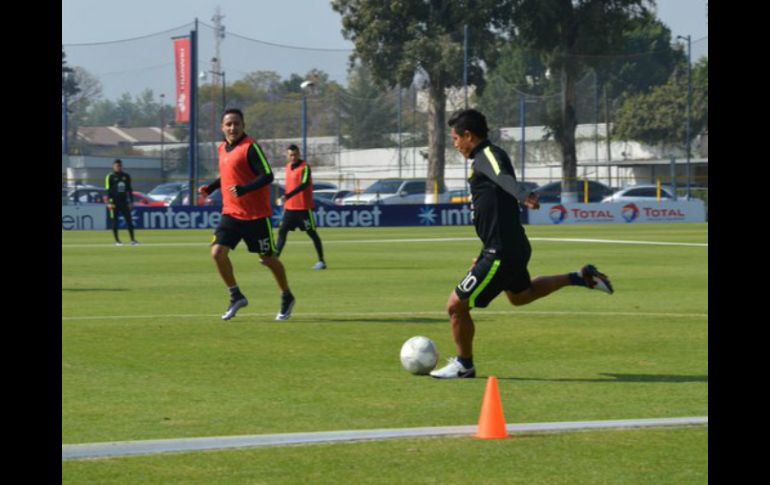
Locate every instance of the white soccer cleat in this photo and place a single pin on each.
(234, 307)
(319, 265)
(454, 370)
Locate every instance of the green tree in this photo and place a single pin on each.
(89, 91)
(367, 116)
(570, 36)
(519, 72)
(69, 84)
(646, 60)
(400, 38)
(660, 117)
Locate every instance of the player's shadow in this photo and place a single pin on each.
(93, 289)
(652, 378)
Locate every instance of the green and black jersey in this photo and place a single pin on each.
(495, 196)
(119, 190)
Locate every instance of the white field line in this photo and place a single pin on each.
(418, 240)
(389, 314)
(150, 447)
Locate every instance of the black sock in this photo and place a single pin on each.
(317, 243)
(467, 363)
(235, 293)
(281, 242)
(577, 280)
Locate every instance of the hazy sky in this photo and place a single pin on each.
(90, 29)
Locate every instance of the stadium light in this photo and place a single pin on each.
(204, 75)
(306, 86)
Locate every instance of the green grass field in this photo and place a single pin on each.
(145, 356)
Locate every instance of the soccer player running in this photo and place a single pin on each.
(244, 178)
(298, 204)
(120, 200)
(502, 263)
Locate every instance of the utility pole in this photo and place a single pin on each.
(689, 107)
(193, 112)
(465, 91)
(399, 130)
(162, 128)
(219, 34)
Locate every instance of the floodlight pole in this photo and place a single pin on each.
(193, 110)
(523, 116)
(64, 110)
(465, 89)
(689, 106)
(304, 124)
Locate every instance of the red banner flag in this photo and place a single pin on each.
(182, 58)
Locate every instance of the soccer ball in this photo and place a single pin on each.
(419, 355)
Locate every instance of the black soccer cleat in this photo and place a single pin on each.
(287, 305)
(596, 280)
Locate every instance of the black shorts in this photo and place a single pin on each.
(257, 233)
(492, 275)
(302, 220)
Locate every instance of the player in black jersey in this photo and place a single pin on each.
(502, 263)
(120, 199)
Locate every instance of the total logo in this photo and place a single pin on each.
(630, 212)
(557, 214)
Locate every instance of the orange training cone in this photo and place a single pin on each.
(492, 420)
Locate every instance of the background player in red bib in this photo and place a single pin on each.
(298, 204)
(244, 178)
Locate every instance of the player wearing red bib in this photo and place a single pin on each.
(298, 204)
(245, 178)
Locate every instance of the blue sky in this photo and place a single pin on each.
(129, 66)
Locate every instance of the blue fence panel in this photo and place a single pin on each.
(338, 216)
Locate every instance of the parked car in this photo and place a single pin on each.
(393, 191)
(323, 186)
(87, 195)
(531, 186)
(215, 198)
(321, 202)
(641, 193)
(143, 200)
(325, 194)
(332, 196)
(340, 195)
(459, 196)
(551, 193)
(168, 191)
(183, 198)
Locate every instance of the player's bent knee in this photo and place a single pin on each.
(457, 306)
(270, 260)
(521, 298)
(219, 252)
